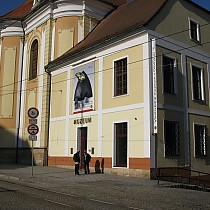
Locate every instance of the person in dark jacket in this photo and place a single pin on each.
(76, 159)
(86, 161)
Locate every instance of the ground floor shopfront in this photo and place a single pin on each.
(115, 140)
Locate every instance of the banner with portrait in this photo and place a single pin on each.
(83, 87)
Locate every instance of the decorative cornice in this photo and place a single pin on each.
(36, 3)
(12, 31)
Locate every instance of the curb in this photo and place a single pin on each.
(9, 177)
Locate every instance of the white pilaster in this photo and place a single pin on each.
(18, 105)
(147, 98)
(41, 85)
(185, 102)
(100, 107)
(53, 42)
(23, 93)
(67, 149)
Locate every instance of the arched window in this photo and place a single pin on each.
(33, 60)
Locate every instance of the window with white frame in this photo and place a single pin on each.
(121, 139)
(33, 60)
(197, 83)
(200, 136)
(194, 30)
(169, 75)
(171, 138)
(120, 77)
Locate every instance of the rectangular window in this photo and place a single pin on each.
(120, 77)
(200, 135)
(171, 131)
(197, 83)
(120, 145)
(194, 31)
(169, 75)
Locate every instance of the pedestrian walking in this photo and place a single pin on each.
(76, 159)
(86, 161)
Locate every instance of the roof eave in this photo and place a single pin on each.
(81, 54)
(33, 10)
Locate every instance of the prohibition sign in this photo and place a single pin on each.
(33, 112)
(33, 129)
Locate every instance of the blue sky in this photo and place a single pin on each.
(8, 5)
(203, 3)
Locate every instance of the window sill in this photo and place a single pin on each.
(171, 156)
(202, 102)
(32, 80)
(196, 41)
(120, 166)
(200, 156)
(170, 94)
(120, 96)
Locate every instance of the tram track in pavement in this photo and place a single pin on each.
(61, 198)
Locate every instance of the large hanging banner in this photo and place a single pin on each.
(83, 95)
(154, 76)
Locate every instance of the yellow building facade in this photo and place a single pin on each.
(94, 130)
(126, 83)
(31, 36)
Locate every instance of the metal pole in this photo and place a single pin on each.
(32, 159)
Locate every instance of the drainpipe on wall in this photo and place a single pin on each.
(49, 99)
(21, 81)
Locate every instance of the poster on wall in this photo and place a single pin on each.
(83, 95)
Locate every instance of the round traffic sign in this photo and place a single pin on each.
(33, 129)
(33, 112)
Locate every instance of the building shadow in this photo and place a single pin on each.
(99, 167)
(10, 150)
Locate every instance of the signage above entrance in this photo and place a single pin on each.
(82, 121)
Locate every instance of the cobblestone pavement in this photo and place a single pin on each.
(108, 188)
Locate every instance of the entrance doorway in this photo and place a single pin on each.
(121, 141)
(82, 142)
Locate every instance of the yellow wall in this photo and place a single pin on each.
(9, 83)
(65, 26)
(8, 73)
(180, 12)
(135, 131)
(200, 164)
(170, 99)
(172, 116)
(57, 138)
(8, 90)
(65, 40)
(135, 78)
(58, 97)
(203, 105)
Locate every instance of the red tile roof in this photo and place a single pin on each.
(125, 18)
(20, 11)
(25, 8)
(117, 2)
